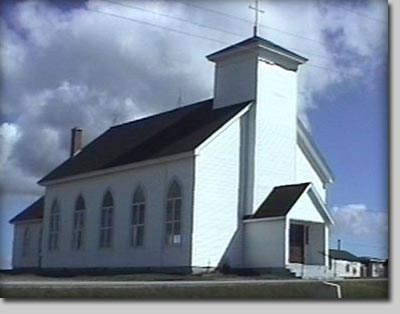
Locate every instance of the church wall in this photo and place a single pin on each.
(215, 219)
(275, 130)
(265, 243)
(31, 258)
(327, 240)
(154, 180)
(235, 80)
(306, 173)
(305, 209)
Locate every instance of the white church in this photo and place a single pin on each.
(234, 182)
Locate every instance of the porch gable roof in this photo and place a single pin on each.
(283, 198)
(279, 202)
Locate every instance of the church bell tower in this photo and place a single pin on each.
(260, 71)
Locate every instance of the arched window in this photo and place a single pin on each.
(106, 220)
(26, 242)
(173, 234)
(79, 223)
(138, 213)
(54, 226)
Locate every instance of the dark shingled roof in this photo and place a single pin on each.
(279, 202)
(261, 41)
(343, 255)
(176, 131)
(33, 211)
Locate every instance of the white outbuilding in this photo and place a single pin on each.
(345, 264)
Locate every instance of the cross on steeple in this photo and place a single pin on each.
(256, 11)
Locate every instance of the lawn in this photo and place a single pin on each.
(351, 290)
(374, 289)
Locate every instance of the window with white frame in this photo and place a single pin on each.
(26, 242)
(137, 218)
(173, 235)
(106, 221)
(78, 224)
(54, 226)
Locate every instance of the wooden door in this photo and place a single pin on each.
(296, 242)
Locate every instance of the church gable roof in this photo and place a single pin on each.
(280, 201)
(312, 153)
(176, 131)
(32, 212)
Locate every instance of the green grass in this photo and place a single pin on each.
(375, 289)
(297, 290)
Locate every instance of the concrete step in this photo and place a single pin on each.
(311, 271)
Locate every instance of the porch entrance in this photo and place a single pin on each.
(296, 243)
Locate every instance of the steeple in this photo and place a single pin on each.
(264, 48)
(260, 71)
(236, 68)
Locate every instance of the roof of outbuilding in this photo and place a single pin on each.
(343, 255)
(279, 202)
(369, 259)
(172, 132)
(32, 212)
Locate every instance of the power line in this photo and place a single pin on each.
(292, 34)
(154, 25)
(186, 33)
(277, 29)
(217, 12)
(265, 26)
(212, 28)
(173, 17)
(251, 22)
(321, 67)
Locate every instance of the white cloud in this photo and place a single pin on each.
(361, 228)
(358, 220)
(9, 135)
(66, 68)
(13, 180)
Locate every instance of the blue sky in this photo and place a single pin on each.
(65, 64)
(352, 131)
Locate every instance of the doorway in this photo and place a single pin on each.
(296, 243)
